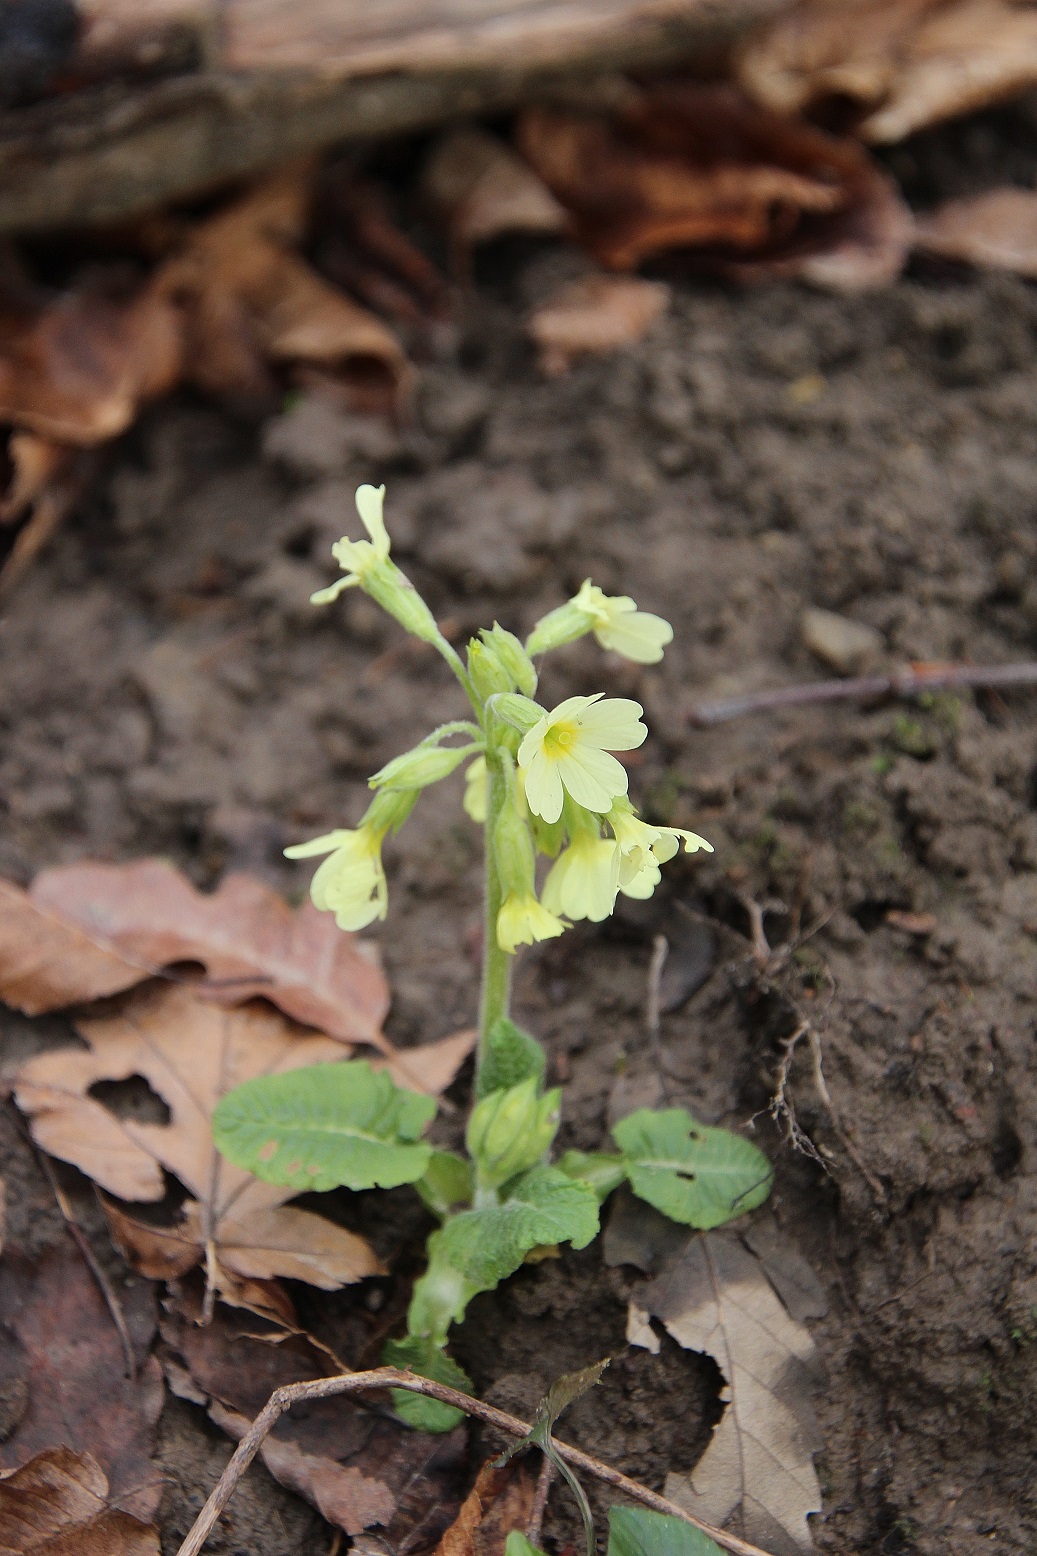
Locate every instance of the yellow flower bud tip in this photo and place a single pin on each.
(476, 791)
(618, 625)
(351, 881)
(567, 752)
(584, 880)
(522, 920)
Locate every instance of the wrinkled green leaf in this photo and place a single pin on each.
(326, 1126)
(511, 1056)
(601, 1171)
(428, 1360)
(446, 1183)
(543, 1207)
(634, 1531)
(694, 1174)
(517, 1545)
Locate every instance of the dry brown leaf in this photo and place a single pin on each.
(57, 1505)
(479, 187)
(243, 933)
(191, 1053)
(701, 168)
(500, 1500)
(78, 370)
(904, 63)
(251, 301)
(66, 1354)
(36, 464)
(997, 230)
(46, 963)
(757, 1476)
(595, 314)
(356, 1467)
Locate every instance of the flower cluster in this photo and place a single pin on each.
(543, 781)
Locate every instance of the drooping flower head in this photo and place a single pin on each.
(643, 848)
(619, 625)
(357, 557)
(584, 879)
(522, 920)
(567, 752)
(351, 881)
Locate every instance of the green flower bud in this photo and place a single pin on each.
(520, 712)
(488, 674)
(510, 1131)
(559, 627)
(513, 851)
(513, 657)
(418, 768)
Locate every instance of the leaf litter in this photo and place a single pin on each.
(757, 1475)
(66, 1373)
(57, 1505)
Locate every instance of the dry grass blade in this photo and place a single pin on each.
(595, 314)
(243, 933)
(191, 1053)
(757, 1474)
(996, 230)
(57, 1505)
(904, 63)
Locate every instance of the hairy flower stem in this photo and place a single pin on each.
(496, 964)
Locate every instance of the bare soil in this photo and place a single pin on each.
(166, 688)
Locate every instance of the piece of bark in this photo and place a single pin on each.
(107, 152)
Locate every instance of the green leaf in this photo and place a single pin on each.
(428, 1360)
(634, 1531)
(517, 1545)
(694, 1174)
(447, 1182)
(543, 1207)
(600, 1171)
(326, 1126)
(511, 1056)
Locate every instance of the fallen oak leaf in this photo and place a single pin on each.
(996, 230)
(903, 64)
(76, 1392)
(47, 963)
(57, 1505)
(243, 933)
(757, 1474)
(357, 1467)
(501, 1500)
(191, 1053)
(702, 168)
(595, 314)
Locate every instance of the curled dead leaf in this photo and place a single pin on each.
(245, 935)
(479, 187)
(595, 314)
(500, 1500)
(57, 1505)
(757, 1476)
(59, 1334)
(251, 302)
(701, 168)
(904, 64)
(996, 230)
(191, 1053)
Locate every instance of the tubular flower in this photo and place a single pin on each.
(584, 880)
(351, 881)
(522, 919)
(618, 625)
(357, 558)
(643, 848)
(567, 751)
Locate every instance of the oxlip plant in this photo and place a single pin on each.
(542, 782)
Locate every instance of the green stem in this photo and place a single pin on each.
(496, 964)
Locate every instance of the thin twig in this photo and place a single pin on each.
(81, 1241)
(391, 1377)
(906, 683)
(660, 951)
(539, 1508)
(865, 1171)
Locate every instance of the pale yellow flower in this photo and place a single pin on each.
(618, 625)
(522, 919)
(567, 751)
(358, 557)
(584, 879)
(351, 881)
(644, 848)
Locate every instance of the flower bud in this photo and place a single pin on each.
(510, 653)
(513, 851)
(510, 1131)
(488, 674)
(418, 768)
(520, 712)
(558, 627)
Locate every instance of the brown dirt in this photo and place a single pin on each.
(165, 688)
